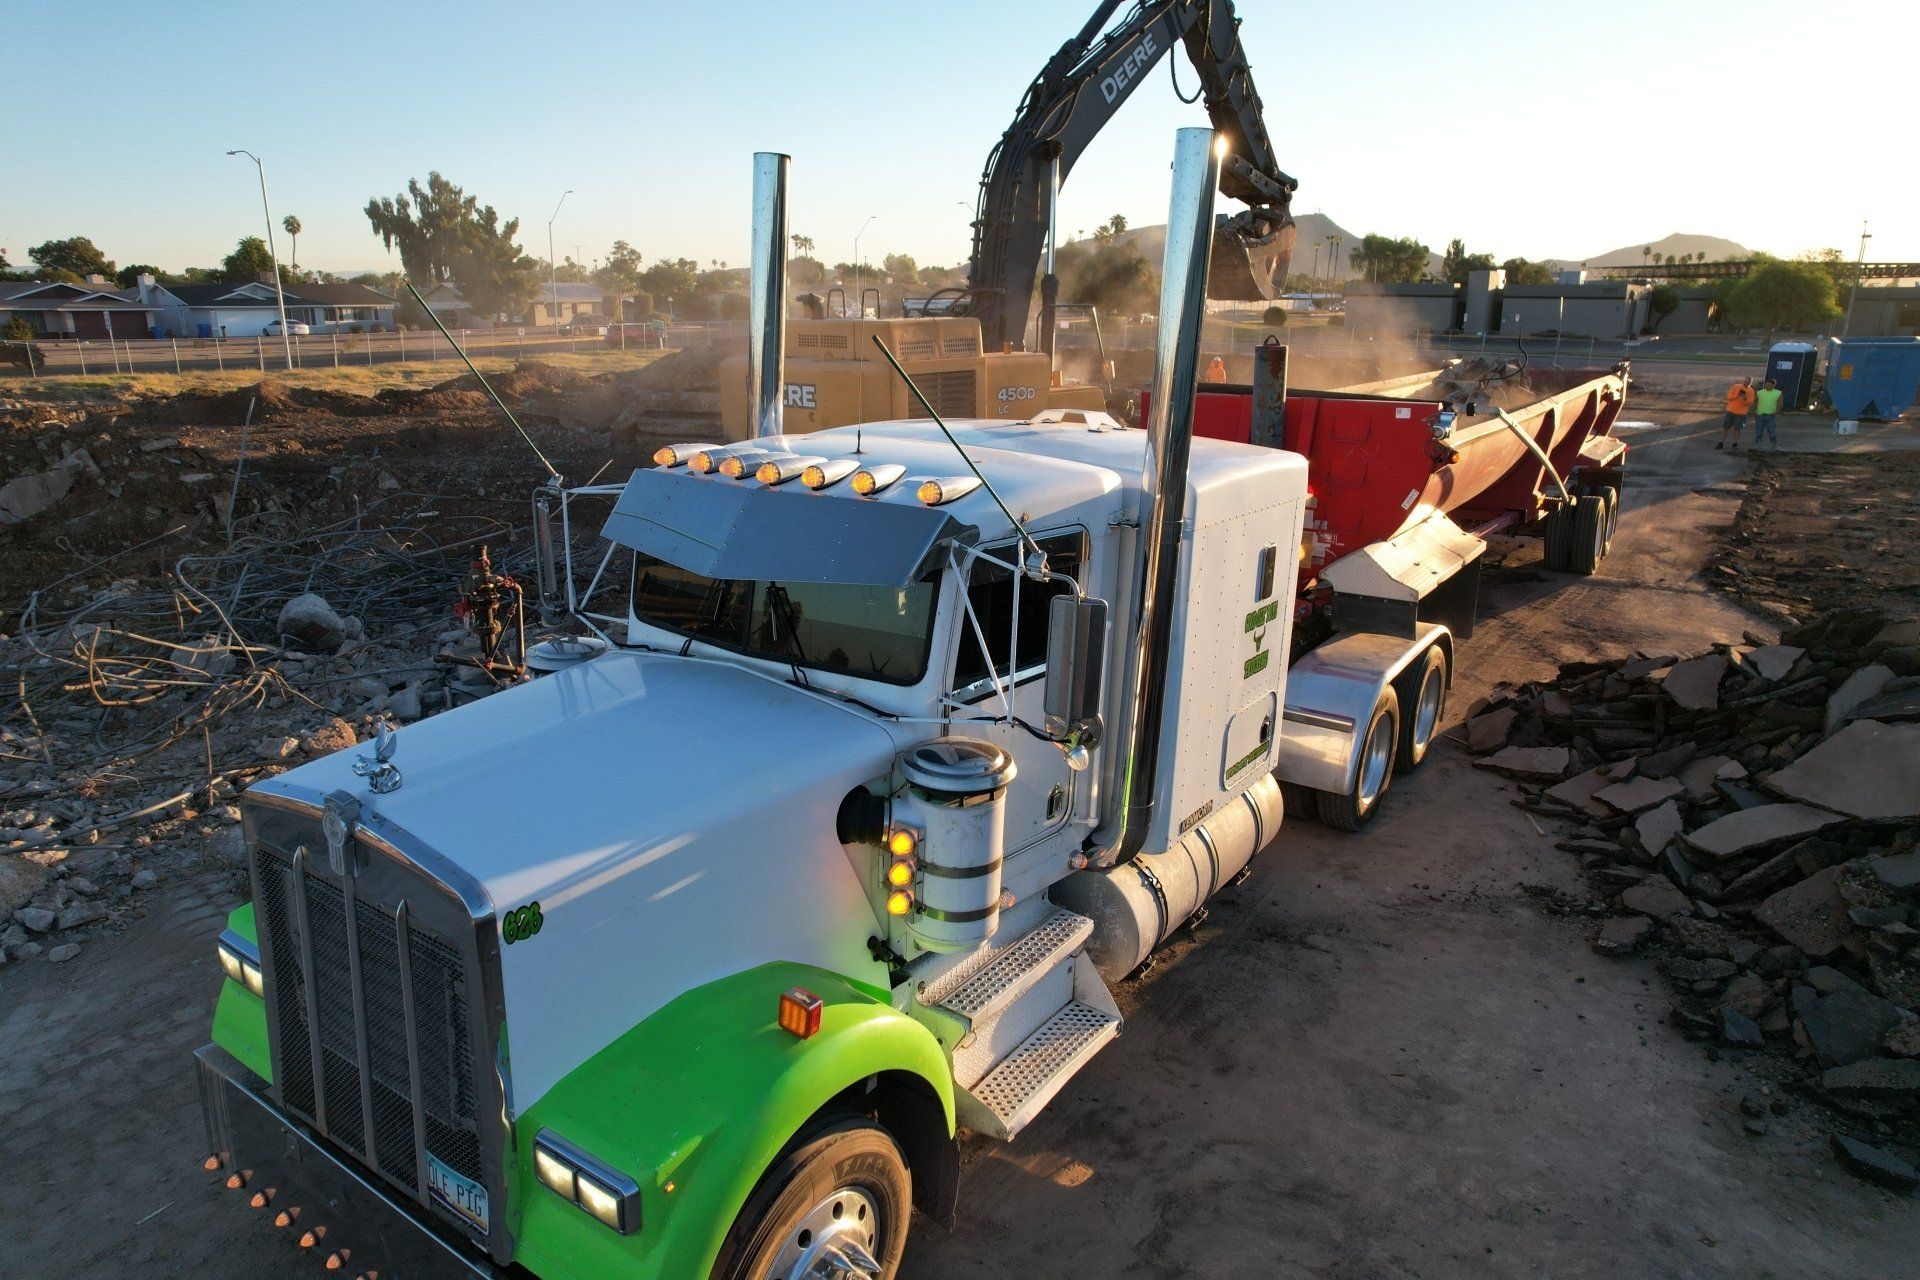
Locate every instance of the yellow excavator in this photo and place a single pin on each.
(969, 348)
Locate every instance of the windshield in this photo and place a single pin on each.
(873, 633)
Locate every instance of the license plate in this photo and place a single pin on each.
(463, 1196)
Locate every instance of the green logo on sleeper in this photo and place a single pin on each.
(522, 923)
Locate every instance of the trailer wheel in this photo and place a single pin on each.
(1427, 705)
(1354, 808)
(1613, 515)
(1557, 529)
(1587, 543)
(836, 1204)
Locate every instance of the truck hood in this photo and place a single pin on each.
(672, 817)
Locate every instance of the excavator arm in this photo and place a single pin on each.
(1078, 91)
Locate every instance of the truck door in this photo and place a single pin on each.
(1012, 618)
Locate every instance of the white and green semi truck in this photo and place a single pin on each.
(693, 958)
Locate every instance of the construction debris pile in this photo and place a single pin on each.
(1752, 816)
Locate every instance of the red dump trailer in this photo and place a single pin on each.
(1407, 478)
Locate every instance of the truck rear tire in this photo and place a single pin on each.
(837, 1202)
(1297, 801)
(1426, 704)
(1613, 515)
(1379, 744)
(1587, 544)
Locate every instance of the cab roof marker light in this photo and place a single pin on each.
(782, 467)
(596, 1189)
(944, 489)
(868, 481)
(738, 466)
(676, 455)
(828, 473)
(709, 457)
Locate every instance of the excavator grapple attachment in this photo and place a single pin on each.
(1251, 252)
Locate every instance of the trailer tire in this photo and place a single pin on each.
(1587, 545)
(1613, 515)
(1425, 705)
(1557, 530)
(842, 1185)
(1379, 744)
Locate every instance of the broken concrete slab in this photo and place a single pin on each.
(19, 881)
(1656, 896)
(1811, 914)
(1756, 828)
(1854, 690)
(24, 497)
(1846, 1026)
(1657, 827)
(1637, 794)
(1880, 1167)
(1578, 791)
(1622, 935)
(1747, 994)
(1488, 731)
(1868, 769)
(1893, 705)
(1529, 762)
(1699, 776)
(1899, 873)
(1665, 764)
(1695, 683)
(1891, 1080)
(1904, 1040)
(1772, 662)
(1740, 1031)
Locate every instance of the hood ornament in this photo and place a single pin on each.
(378, 769)
(338, 818)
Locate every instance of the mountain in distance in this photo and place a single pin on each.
(1703, 249)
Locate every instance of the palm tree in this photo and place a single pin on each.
(292, 224)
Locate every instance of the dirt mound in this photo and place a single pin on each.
(525, 381)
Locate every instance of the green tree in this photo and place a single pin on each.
(570, 272)
(1661, 303)
(445, 235)
(1389, 259)
(900, 268)
(73, 259)
(128, 277)
(619, 278)
(292, 224)
(8, 271)
(1833, 263)
(673, 279)
(249, 261)
(1783, 295)
(1522, 271)
(805, 272)
(1456, 262)
(1111, 274)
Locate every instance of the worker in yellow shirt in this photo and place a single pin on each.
(1766, 408)
(1739, 405)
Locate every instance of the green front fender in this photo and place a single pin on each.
(700, 1098)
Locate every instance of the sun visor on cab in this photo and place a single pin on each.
(725, 528)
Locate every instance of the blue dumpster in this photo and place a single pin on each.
(1873, 377)
(206, 330)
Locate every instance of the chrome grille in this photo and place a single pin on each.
(370, 1112)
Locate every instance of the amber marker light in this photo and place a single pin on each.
(800, 1012)
(900, 874)
(901, 842)
(899, 902)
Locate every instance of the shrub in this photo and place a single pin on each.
(18, 329)
(1274, 315)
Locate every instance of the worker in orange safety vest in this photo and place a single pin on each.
(1739, 405)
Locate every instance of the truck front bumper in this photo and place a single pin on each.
(351, 1216)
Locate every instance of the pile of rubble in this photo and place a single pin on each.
(1752, 814)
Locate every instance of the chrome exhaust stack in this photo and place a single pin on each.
(767, 309)
(1133, 765)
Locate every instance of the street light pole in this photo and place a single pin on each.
(553, 271)
(1859, 264)
(860, 299)
(273, 255)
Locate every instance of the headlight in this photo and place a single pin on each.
(586, 1183)
(241, 959)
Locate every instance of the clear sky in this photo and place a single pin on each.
(1542, 129)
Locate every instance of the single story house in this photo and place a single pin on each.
(59, 310)
(246, 310)
(559, 303)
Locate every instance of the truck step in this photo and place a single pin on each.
(1013, 1093)
(1003, 973)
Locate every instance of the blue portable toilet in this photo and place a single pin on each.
(1791, 365)
(1873, 377)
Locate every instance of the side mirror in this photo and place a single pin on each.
(1076, 659)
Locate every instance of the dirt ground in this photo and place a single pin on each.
(1380, 1057)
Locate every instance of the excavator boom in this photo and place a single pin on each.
(1078, 91)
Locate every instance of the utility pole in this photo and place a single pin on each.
(1859, 264)
(553, 270)
(860, 302)
(273, 256)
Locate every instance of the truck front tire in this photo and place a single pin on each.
(838, 1201)
(1379, 744)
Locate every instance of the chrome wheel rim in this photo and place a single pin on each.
(837, 1239)
(1426, 715)
(1375, 759)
